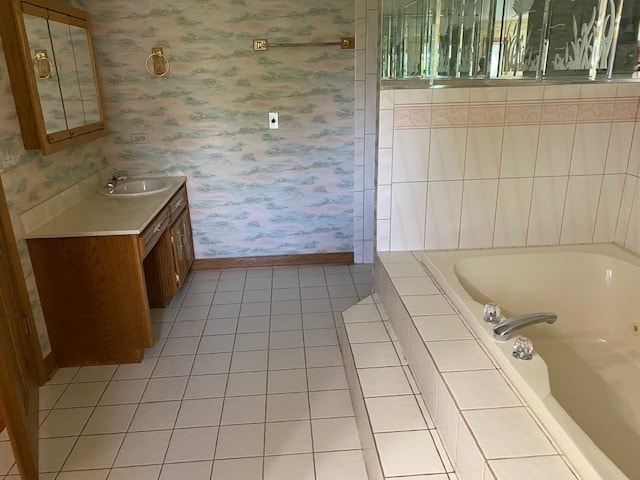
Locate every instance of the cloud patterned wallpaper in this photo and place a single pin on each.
(253, 191)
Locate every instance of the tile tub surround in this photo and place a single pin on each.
(486, 427)
(508, 166)
(396, 431)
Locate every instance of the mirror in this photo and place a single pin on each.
(53, 75)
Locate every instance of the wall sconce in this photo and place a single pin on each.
(157, 64)
(44, 66)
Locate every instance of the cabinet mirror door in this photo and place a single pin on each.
(53, 75)
(46, 72)
(86, 73)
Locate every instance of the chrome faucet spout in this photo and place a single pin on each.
(503, 330)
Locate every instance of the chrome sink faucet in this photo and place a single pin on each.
(116, 176)
(503, 330)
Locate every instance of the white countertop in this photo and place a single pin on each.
(100, 215)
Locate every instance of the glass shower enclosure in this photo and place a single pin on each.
(535, 39)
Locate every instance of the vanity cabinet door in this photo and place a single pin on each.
(182, 246)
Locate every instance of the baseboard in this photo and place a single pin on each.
(345, 258)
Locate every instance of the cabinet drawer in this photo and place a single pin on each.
(178, 202)
(153, 231)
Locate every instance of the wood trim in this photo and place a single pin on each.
(345, 258)
(16, 266)
(50, 366)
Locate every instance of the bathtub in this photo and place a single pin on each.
(584, 382)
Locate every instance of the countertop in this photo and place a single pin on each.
(100, 215)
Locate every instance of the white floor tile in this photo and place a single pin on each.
(246, 342)
(175, 366)
(323, 356)
(211, 363)
(289, 467)
(81, 395)
(94, 451)
(236, 469)
(331, 403)
(206, 386)
(331, 434)
(192, 444)
(288, 406)
(204, 412)
(147, 472)
(247, 383)
(321, 337)
(253, 324)
(53, 452)
(283, 438)
(132, 371)
(282, 322)
(97, 373)
(344, 465)
(66, 422)
(286, 359)
(189, 328)
(239, 441)
(221, 326)
(287, 381)
(216, 344)
(249, 361)
(100, 474)
(155, 416)
(63, 375)
(327, 378)
(318, 320)
(190, 470)
(143, 448)
(180, 346)
(237, 410)
(165, 389)
(110, 419)
(49, 395)
(286, 339)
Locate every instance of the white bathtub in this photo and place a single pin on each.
(584, 382)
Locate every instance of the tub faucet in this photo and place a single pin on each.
(503, 330)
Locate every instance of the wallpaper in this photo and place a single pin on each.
(253, 191)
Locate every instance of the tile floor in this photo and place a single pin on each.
(245, 381)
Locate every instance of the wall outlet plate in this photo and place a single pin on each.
(273, 120)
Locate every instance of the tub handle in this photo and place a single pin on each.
(491, 313)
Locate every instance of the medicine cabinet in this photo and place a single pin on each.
(53, 76)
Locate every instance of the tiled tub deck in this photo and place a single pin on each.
(487, 429)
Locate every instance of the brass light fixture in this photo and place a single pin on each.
(44, 66)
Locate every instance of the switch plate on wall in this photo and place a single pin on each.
(273, 120)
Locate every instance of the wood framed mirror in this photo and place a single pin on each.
(53, 74)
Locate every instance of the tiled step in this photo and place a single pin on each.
(397, 434)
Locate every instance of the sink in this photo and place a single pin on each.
(136, 187)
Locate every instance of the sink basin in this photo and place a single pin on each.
(136, 187)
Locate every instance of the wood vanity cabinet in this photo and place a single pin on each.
(96, 291)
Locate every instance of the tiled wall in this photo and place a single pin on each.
(508, 166)
(366, 127)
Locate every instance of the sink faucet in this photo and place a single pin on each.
(503, 330)
(117, 174)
